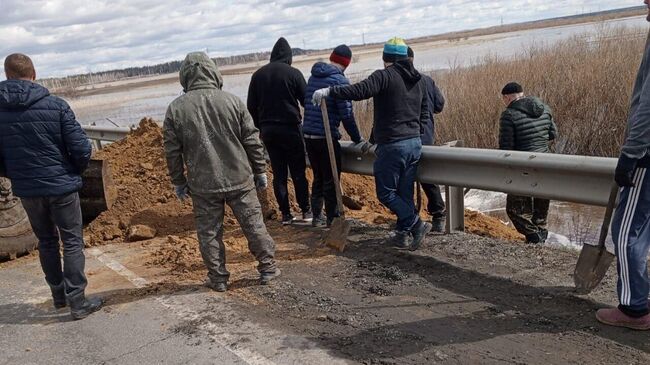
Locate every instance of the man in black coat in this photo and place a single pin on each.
(275, 94)
(44, 151)
(526, 125)
(436, 102)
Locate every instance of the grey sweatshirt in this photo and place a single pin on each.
(637, 141)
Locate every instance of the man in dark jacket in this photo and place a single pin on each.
(435, 102)
(400, 109)
(44, 151)
(326, 75)
(275, 94)
(526, 125)
(209, 133)
(630, 228)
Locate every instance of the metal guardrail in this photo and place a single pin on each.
(109, 134)
(579, 179)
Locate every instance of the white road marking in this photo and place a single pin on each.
(244, 354)
(222, 333)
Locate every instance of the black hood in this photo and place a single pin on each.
(281, 52)
(20, 94)
(530, 106)
(409, 74)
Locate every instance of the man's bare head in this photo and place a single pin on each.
(19, 67)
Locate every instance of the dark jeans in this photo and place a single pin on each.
(287, 152)
(395, 171)
(527, 214)
(435, 203)
(322, 188)
(53, 218)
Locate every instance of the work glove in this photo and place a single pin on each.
(364, 146)
(182, 191)
(625, 168)
(319, 95)
(261, 181)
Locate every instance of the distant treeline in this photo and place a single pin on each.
(69, 83)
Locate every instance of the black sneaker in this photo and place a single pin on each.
(399, 239)
(267, 277)
(438, 224)
(287, 219)
(319, 222)
(307, 216)
(420, 231)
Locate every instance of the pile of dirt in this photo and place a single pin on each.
(145, 194)
(146, 197)
(487, 226)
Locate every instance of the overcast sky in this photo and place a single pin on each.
(75, 36)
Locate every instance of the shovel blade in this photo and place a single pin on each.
(591, 268)
(337, 237)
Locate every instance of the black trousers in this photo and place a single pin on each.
(435, 203)
(54, 218)
(287, 152)
(322, 188)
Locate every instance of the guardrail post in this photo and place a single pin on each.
(455, 201)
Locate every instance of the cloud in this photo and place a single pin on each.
(73, 36)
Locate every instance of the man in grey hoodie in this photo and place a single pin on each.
(210, 134)
(630, 229)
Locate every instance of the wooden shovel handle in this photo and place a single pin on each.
(604, 228)
(330, 149)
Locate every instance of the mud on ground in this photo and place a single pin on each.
(460, 299)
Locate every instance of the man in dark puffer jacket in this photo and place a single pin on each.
(326, 75)
(44, 151)
(526, 125)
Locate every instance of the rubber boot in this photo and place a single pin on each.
(58, 295)
(81, 307)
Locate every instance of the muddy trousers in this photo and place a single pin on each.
(631, 236)
(395, 171)
(287, 153)
(54, 218)
(209, 212)
(322, 187)
(528, 215)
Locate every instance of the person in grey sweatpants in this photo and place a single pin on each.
(630, 224)
(210, 133)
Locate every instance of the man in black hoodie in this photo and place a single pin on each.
(526, 125)
(400, 109)
(274, 95)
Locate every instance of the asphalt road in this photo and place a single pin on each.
(137, 326)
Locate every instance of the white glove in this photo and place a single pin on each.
(365, 146)
(319, 95)
(261, 181)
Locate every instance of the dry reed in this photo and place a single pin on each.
(586, 80)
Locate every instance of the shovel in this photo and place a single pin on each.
(337, 237)
(594, 261)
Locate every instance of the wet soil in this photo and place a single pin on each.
(460, 299)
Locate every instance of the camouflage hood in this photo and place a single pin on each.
(198, 71)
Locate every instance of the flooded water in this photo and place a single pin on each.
(570, 225)
(128, 107)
